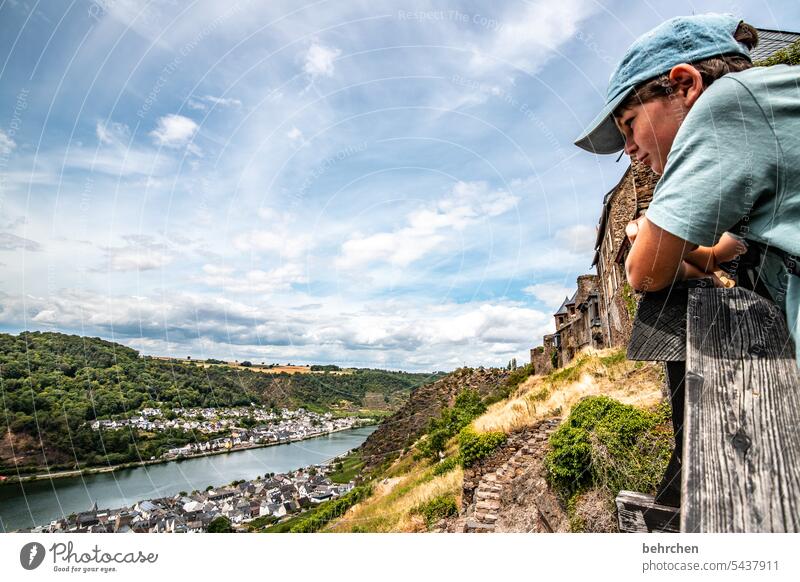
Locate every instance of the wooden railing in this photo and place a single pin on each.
(738, 419)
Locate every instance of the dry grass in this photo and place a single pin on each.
(591, 373)
(389, 507)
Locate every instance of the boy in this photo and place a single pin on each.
(725, 138)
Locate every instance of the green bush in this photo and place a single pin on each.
(446, 465)
(610, 445)
(467, 407)
(475, 447)
(331, 510)
(628, 296)
(220, 524)
(518, 376)
(616, 358)
(787, 56)
(436, 509)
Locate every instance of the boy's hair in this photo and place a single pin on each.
(710, 69)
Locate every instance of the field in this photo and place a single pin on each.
(264, 369)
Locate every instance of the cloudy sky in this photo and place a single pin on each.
(387, 184)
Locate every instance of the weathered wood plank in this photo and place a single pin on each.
(639, 513)
(659, 329)
(741, 455)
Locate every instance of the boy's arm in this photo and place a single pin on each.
(707, 259)
(656, 257)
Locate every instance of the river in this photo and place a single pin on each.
(34, 503)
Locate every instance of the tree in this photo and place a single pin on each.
(220, 524)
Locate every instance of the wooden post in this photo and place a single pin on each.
(659, 330)
(639, 513)
(741, 454)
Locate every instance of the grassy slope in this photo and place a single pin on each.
(407, 483)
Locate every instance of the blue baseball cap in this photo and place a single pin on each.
(684, 39)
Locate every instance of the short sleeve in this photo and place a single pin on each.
(723, 159)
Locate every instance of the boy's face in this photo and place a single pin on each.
(650, 128)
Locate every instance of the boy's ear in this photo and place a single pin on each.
(687, 82)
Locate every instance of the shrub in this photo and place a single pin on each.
(518, 376)
(331, 510)
(220, 524)
(436, 509)
(468, 406)
(477, 446)
(616, 358)
(610, 445)
(786, 56)
(446, 465)
(540, 395)
(628, 296)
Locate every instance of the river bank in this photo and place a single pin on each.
(28, 504)
(14, 479)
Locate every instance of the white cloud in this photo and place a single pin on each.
(294, 134)
(12, 242)
(578, 238)
(388, 333)
(139, 253)
(427, 228)
(112, 161)
(277, 239)
(551, 294)
(7, 144)
(319, 60)
(528, 36)
(112, 133)
(174, 130)
(254, 281)
(202, 103)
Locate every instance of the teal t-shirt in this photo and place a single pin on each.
(735, 166)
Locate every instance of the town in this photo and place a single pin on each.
(246, 427)
(237, 505)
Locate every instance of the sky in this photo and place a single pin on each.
(371, 184)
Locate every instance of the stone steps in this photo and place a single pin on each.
(476, 526)
(489, 492)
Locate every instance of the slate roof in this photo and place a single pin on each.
(771, 41)
(563, 309)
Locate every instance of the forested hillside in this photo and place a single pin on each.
(51, 384)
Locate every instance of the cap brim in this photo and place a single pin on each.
(602, 136)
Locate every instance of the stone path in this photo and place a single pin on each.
(514, 496)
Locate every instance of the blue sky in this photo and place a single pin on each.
(363, 183)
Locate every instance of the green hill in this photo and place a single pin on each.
(53, 383)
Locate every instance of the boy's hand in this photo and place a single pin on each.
(690, 271)
(632, 229)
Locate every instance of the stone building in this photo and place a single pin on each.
(627, 201)
(600, 312)
(578, 325)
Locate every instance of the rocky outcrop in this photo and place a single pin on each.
(404, 427)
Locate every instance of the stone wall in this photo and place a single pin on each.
(629, 199)
(542, 360)
(508, 491)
